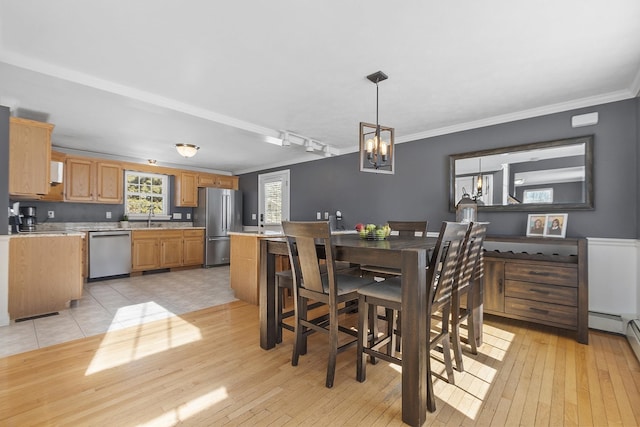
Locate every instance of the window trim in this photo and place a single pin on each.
(166, 205)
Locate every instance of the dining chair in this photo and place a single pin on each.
(442, 269)
(463, 288)
(284, 284)
(404, 229)
(308, 244)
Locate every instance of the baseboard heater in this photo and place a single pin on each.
(633, 335)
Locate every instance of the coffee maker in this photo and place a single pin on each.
(28, 218)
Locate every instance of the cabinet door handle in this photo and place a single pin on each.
(538, 310)
(538, 291)
(539, 273)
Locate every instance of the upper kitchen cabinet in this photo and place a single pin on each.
(186, 189)
(218, 181)
(87, 180)
(29, 157)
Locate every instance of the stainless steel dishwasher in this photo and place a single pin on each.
(109, 253)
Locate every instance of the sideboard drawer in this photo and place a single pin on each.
(554, 294)
(550, 274)
(543, 312)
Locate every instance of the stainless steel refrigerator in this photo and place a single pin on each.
(219, 211)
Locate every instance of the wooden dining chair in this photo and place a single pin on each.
(441, 272)
(463, 289)
(308, 243)
(403, 228)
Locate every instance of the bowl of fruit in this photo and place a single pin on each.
(373, 232)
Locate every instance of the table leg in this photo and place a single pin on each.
(415, 353)
(477, 311)
(268, 295)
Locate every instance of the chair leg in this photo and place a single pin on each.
(363, 338)
(446, 349)
(279, 308)
(333, 346)
(300, 339)
(455, 335)
(372, 330)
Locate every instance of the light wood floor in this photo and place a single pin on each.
(206, 368)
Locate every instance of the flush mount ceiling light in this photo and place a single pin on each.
(376, 142)
(187, 150)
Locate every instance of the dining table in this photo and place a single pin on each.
(411, 256)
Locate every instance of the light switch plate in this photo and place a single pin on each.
(188, 216)
(108, 215)
(177, 215)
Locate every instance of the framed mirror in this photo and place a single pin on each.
(542, 176)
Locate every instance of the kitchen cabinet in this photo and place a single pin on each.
(193, 250)
(218, 181)
(186, 189)
(29, 157)
(157, 249)
(171, 248)
(45, 273)
(538, 280)
(56, 190)
(88, 180)
(145, 254)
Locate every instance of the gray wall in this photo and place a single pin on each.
(92, 212)
(419, 188)
(4, 163)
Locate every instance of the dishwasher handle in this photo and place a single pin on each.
(96, 236)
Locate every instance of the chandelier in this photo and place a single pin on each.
(376, 142)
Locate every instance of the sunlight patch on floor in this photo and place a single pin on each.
(188, 409)
(143, 339)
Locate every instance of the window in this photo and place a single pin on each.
(273, 195)
(146, 193)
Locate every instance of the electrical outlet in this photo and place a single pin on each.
(51, 214)
(188, 216)
(108, 215)
(254, 216)
(318, 215)
(326, 215)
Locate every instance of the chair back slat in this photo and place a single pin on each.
(303, 239)
(471, 251)
(444, 262)
(409, 228)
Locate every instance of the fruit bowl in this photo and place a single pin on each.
(373, 232)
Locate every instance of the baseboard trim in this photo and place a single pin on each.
(606, 322)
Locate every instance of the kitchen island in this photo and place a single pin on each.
(245, 264)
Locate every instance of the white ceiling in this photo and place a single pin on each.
(132, 78)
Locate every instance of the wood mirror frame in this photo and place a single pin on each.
(542, 176)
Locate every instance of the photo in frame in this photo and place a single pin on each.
(536, 224)
(556, 225)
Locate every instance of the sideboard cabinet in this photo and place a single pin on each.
(540, 280)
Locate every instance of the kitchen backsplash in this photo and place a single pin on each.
(58, 226)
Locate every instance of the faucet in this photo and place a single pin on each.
(149, 217)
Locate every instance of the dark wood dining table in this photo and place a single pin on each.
(411, 255)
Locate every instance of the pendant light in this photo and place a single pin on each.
(376, 141)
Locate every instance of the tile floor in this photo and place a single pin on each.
(118, 303)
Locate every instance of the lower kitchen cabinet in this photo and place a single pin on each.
(193, 249)
(171, 249)
(538, 280)
(157, 249)
(45, 273)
